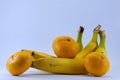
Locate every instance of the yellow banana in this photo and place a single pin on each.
(67, 65)
(37, 55)
(102, 47)
(79, 38)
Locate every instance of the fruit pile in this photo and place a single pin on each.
(71, 57)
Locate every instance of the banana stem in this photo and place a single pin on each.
(79, 38)
(102, 47)
(102, 39)
(95, 33)
(80, 32)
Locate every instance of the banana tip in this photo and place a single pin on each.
(97, 28)
(102, 33)
(81, 29)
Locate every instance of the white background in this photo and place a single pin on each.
(33, 24)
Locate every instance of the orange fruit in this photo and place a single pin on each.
(96, 63)
(65, 47)
(18, 63)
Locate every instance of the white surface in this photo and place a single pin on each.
(33, 24)
(33, 74)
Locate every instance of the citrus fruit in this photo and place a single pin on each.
(18, 63)
(65, 47)
(96, 63)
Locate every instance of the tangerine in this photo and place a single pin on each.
(96, 63)
(18, 63)
(65, 47)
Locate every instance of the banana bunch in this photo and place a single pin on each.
(45, 62)
(90, 59)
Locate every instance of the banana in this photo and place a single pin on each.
(67, 65)
(79, 38)
(102, 45)
(37, 55)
